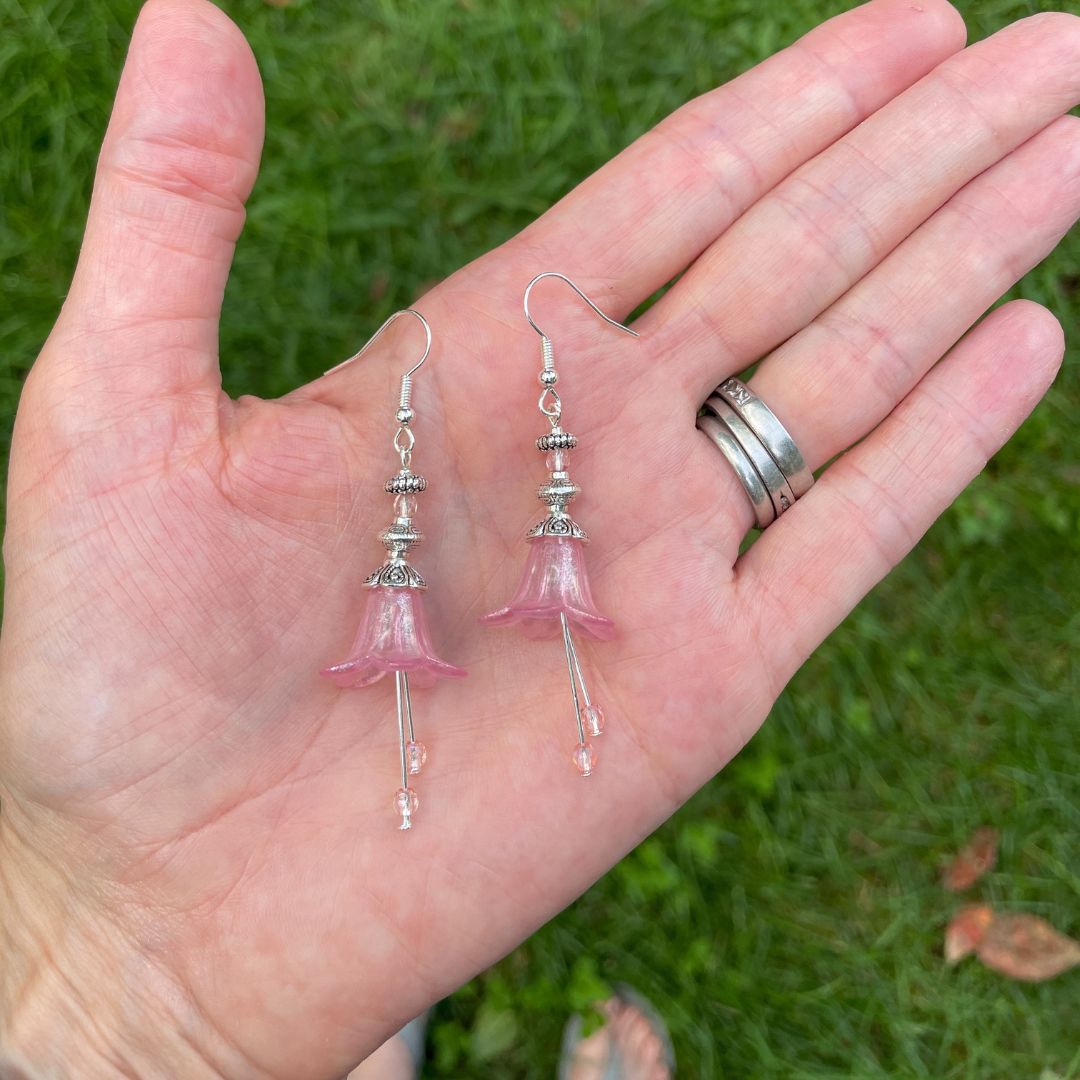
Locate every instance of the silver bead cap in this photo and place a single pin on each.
(397, 574)
(558, 525)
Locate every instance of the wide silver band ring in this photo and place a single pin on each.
(776, 484)
(771, 433)
(727, 444)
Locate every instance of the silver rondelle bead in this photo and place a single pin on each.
(405, 415)
(399, 536)
(556, 440)
(549, 377)
(558, 491)
(405, 483)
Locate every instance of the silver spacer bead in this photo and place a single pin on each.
(549, 377)
(558, 491)
(400, 536)
(405, 483)
(556, 440)
(405, 415)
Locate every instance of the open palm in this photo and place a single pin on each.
(199, 848)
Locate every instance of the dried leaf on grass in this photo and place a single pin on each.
(973, 860)
(1027, 947)
(965, 932)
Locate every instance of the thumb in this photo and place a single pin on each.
(179, 159)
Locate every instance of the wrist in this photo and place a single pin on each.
(76, 998)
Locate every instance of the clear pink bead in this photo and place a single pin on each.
(416, 756)
(554, 582)
(405, 803)
(584, 758)
(393, 636)
(405, 506)
(556, 460)
(592, 716)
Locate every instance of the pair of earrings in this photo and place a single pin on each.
(552, 598)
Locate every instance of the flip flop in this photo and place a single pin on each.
(613, 1068)
(414, 1038)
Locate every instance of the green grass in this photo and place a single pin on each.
(788, 922)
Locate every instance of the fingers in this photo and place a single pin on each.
(178, 160)
(641, 219)
(865, 514)
(819, 231)
(838, 378)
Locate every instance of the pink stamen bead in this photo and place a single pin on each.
(584, 759)
(592, 716)
(405, 802)
(416, 756)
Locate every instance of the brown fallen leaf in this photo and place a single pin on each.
(965, 931)
(1027, 947)
(972, 861)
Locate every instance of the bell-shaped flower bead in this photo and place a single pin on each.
(554, 582)
(393, 636)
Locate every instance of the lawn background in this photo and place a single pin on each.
(788, 921)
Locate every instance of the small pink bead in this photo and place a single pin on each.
(405, 506)
(592, 717)
(584, 759)
(406, 802)
(416, 756)
(556, 461)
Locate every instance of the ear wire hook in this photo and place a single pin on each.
(404, 440)
(406, 379)
(550, 404)
(563, 277)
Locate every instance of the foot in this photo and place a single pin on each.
(399, 1057)
(630, 1039)
(392, 1061)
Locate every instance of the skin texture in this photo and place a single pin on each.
(199, 864)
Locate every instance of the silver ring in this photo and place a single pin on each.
(728, 445)
(772, 434)
(783, 498)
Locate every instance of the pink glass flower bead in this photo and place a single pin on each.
(554, 583)
(393, 636)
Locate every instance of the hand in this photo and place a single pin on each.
(200, 859)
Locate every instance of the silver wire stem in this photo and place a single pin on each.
(408, 706)
(581, 678)
(401, 687)
(568, 643)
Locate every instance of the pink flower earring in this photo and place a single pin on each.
(393, 634)
(554, 594)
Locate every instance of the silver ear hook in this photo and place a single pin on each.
(406, 379)
(550, 404)
(563, 277)
(404, 440)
